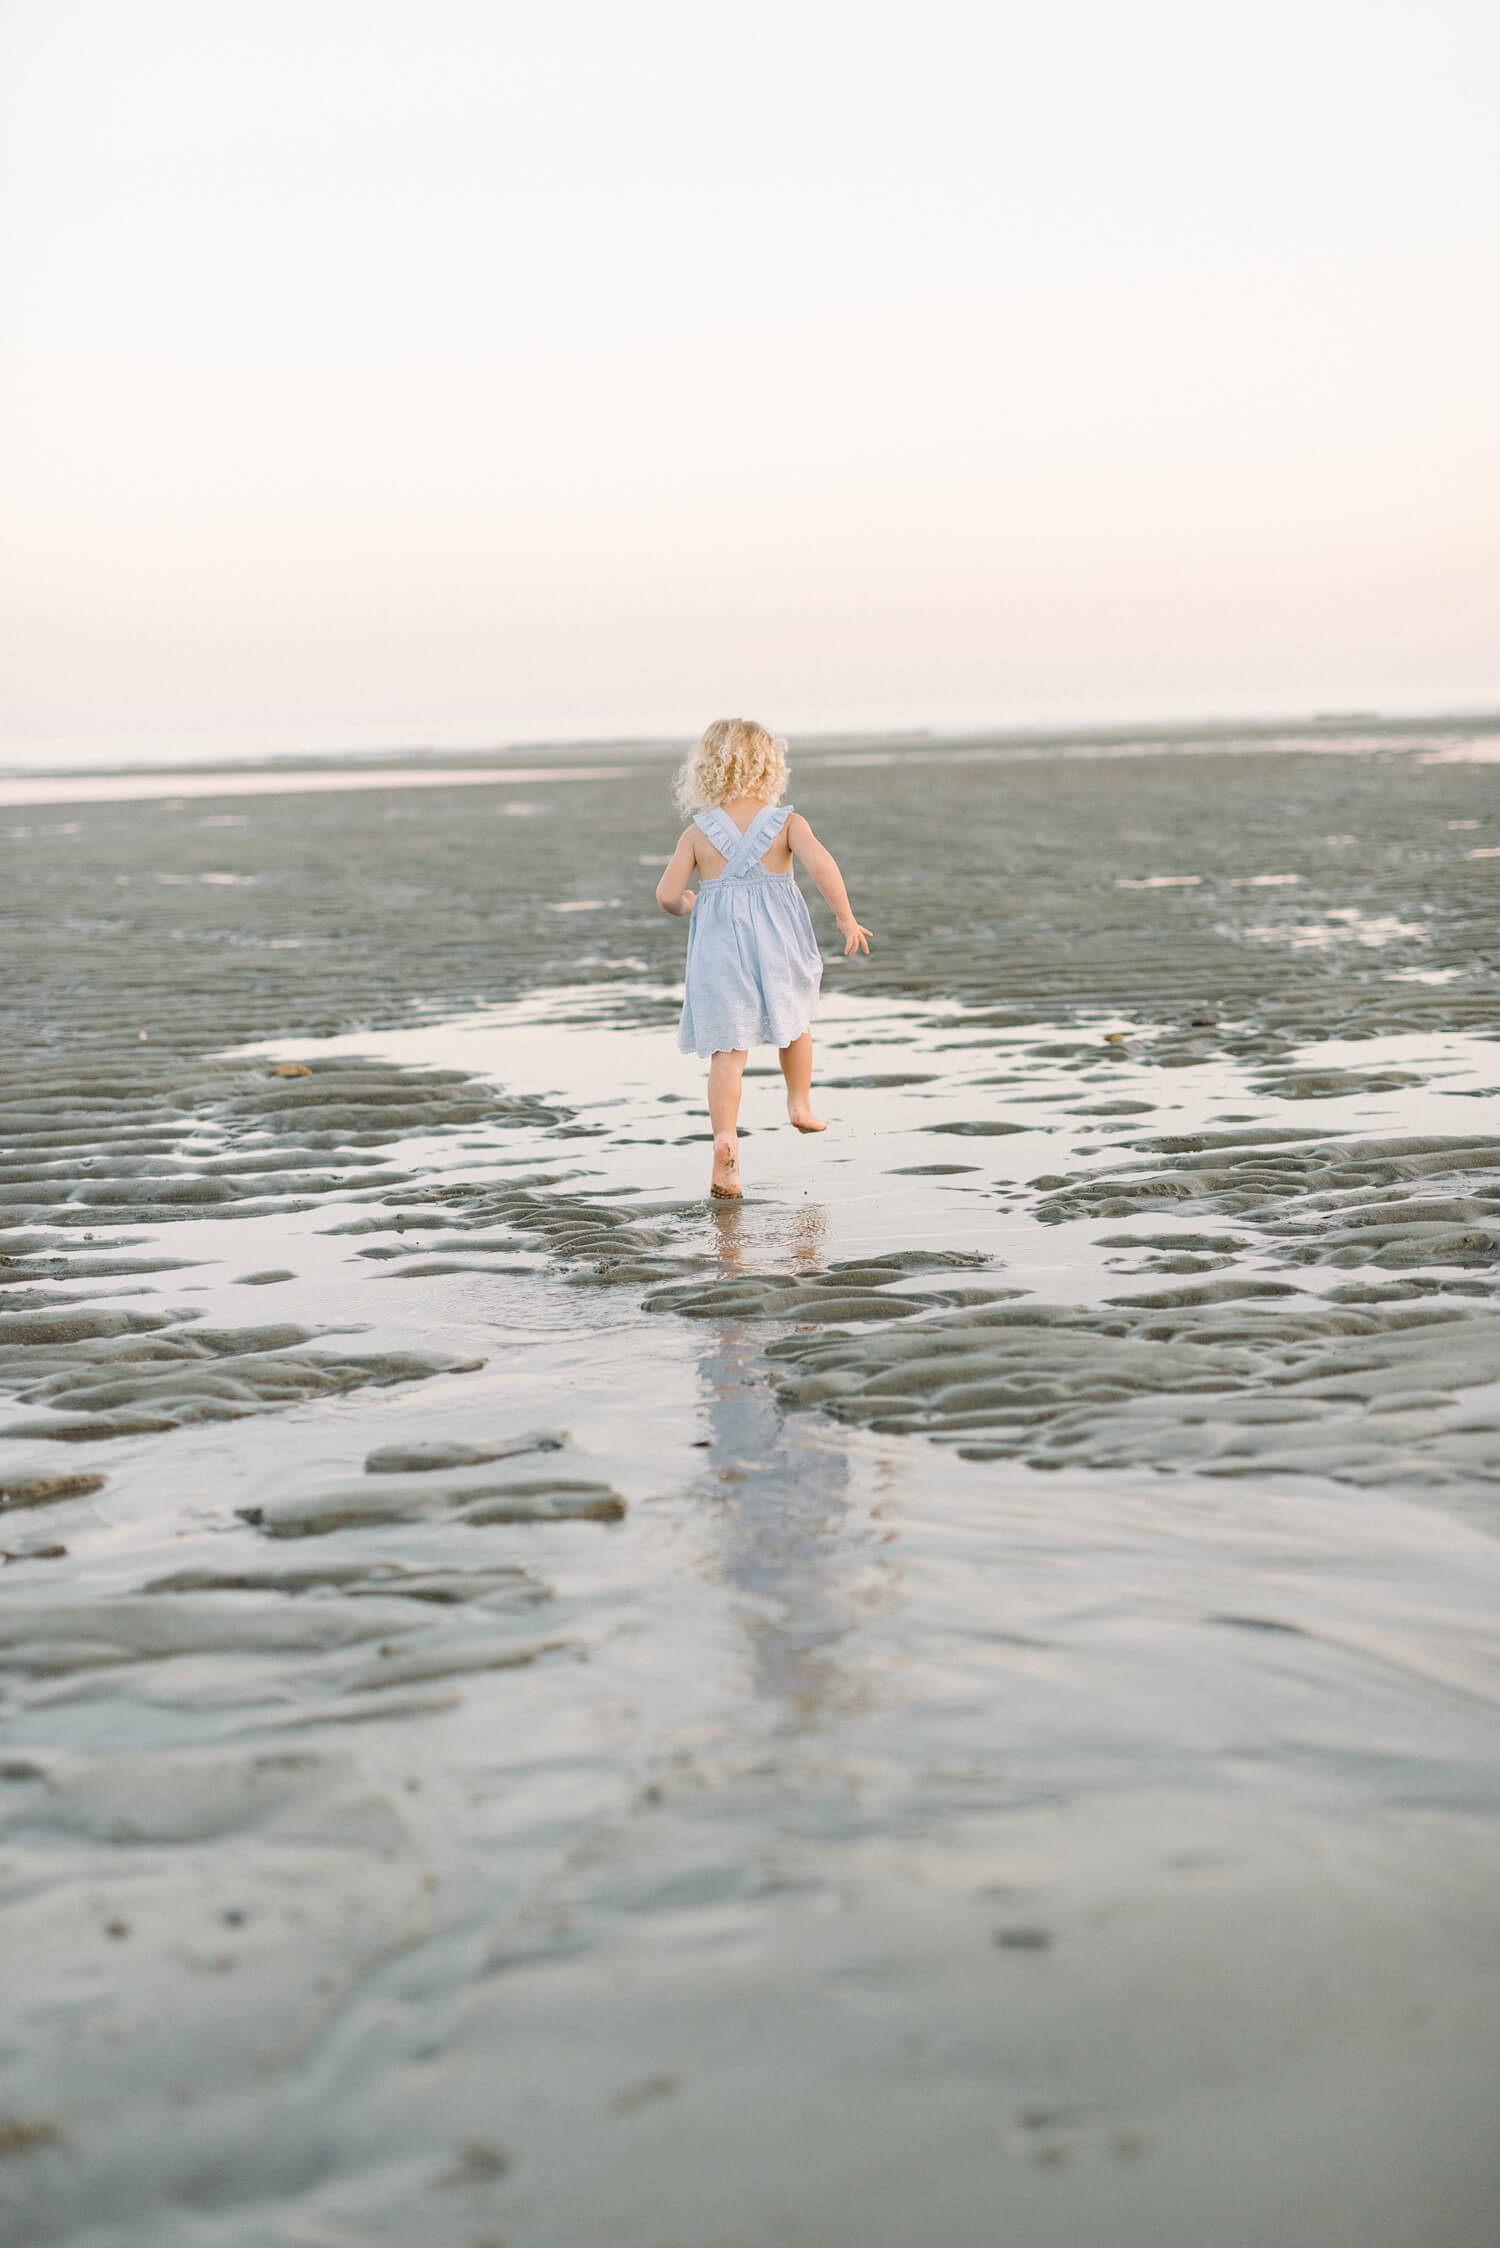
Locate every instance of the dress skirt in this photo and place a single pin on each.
(753, 965)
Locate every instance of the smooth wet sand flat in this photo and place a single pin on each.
(954, 1701)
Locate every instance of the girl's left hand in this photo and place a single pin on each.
(855, 939)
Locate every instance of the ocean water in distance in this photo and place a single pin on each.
(117, 768)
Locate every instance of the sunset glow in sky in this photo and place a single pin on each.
(399, 374)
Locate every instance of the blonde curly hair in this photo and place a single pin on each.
(734, 758)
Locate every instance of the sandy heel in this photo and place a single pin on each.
(724, 1186)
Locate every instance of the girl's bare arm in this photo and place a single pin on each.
(823, 867)
(672, 893)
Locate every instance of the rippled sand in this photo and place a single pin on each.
(955, 1700)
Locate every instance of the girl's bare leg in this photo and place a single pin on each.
(796, 1068)
(724, 1074)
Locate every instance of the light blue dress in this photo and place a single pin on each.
(753, 965)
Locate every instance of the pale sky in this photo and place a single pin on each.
(394, 372)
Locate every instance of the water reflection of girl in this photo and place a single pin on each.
(782, 1485)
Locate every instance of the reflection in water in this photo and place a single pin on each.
(783, 1490)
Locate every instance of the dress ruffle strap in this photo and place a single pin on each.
(720, 830)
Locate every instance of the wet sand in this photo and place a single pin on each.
(955, 1699)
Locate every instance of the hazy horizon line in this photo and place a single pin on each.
(204, 749)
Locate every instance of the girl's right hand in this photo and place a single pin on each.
(855, 938)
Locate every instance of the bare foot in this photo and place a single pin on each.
(803, 1118)
(725, 1185)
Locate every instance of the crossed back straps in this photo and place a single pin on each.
(742, 853)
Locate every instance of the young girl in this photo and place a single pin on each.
(753, 966)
